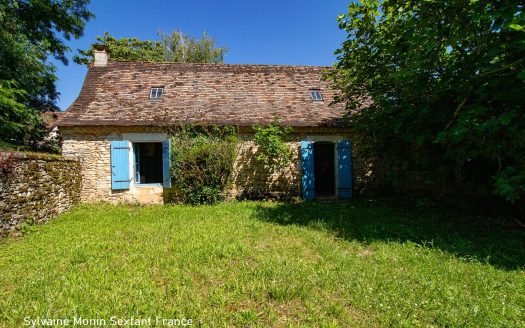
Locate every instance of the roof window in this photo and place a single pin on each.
(156, 93)
(316, 95)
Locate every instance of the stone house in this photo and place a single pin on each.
(119, 125)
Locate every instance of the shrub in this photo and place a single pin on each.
(202, 162)
(273, 151)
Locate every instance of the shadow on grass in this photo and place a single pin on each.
(470, 238)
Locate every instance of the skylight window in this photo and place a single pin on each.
(316, 95)
(156, 93)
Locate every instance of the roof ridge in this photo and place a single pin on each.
(216, 64)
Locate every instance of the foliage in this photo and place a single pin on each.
(350, 264)
(184, 48)
(19, 125)
(131, 49)
(7, 146)
(32, 31)
(27, 227)
(12, 109)
(446, 79)
(272, 149)
(175, 47)
(202, 162)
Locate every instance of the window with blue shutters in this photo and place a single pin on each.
(307, 164)
(344, 163)
(120, 165)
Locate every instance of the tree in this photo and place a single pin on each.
(447, 83)
(184, 48)
(174, 47)
(32, 31)
(131, 49)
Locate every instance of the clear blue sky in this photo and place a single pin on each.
(256, 32)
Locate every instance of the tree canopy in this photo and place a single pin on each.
(447, 81)
(32, 31)
(171, 47)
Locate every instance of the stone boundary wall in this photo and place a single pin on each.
(34, 188)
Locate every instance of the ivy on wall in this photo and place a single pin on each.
(272, 149)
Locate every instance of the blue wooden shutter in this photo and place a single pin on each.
(344, 160)
(307, 163)
(166, 164)
(120, 165)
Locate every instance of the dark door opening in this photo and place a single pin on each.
(324, 169)
(148, 162)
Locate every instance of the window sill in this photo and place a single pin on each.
(138, 185)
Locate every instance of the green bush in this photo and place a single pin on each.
(202, 162)
(273, 151)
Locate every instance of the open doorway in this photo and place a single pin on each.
(148, 162)
(324, 169)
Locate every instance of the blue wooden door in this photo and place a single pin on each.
(120, 165)
(166, 164)
(307, 164)
(344, 163)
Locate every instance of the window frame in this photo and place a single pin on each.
(316, 95)
(154, 93)
(135, 148)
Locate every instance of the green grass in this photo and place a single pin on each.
(357, 263)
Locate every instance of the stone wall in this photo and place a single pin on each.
(93, 152)
(35, 188)
(252, 179)
(92, 147)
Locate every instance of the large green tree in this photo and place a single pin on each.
(30, 32)
(171, 47)
(446, 81)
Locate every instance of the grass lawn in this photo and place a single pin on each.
(357, 263)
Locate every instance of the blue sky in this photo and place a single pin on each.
(256, 32)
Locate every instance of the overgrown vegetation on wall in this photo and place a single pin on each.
(34, 188)
(202, 163)
(272, 149)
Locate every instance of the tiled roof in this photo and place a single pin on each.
(118, 94)
(51, 118)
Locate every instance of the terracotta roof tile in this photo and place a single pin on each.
(51, 118)
(118, 94)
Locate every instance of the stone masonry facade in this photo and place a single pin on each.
(93, 149)
(34, 188)
(250, 178)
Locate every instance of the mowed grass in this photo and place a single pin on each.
(357, 263)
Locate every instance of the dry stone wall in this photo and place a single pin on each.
(34, 188)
